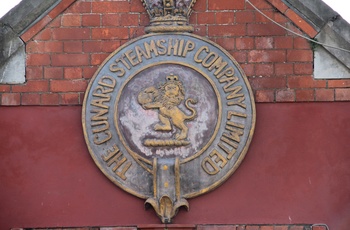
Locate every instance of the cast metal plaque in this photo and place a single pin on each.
(168, 116)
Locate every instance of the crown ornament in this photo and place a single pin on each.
(169, 15)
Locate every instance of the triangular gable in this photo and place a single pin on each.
(307, 20)
(295, 50)
(299, 21)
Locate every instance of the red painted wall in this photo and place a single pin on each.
(296, 171)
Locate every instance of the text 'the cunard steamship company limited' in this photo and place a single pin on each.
(170, 115)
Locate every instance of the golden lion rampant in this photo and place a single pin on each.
(166, 99)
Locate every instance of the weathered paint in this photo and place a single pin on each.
(296, 171)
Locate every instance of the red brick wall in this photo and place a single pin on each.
(66, 47)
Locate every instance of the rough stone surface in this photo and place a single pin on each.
(334, 34)
(12, 25)
(27, 12)
(327, 67)
(12, 70)
(331, 32)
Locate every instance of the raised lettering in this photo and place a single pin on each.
(107, 81)
(114, 156)
(188, 48)
(173, 47)
(141, 53)
(161, 47)
(232, 113)
(234, 92)
(110, 153)
(99, 103)
(229, 81)
(234, 124)
(108, 136)
(219, 65)
(209, 166)
(234, 133)
(227, 151)
(226, 138)
(99, 116)
(181, 47)
(100, 91)
(217, 157)
(115, 69)
(238, 102)
(105, 127)
(198, 53)
(151, 48)
(210, 59)
(228, 72)
(122, 60)
(131, 57)
(212, 163)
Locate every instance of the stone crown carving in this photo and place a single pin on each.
(169, 15)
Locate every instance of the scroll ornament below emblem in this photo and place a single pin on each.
(170, 115)
(166, 100)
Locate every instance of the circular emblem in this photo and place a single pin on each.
(168, 116)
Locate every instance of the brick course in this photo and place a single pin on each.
(200, 227)
(65, 48)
